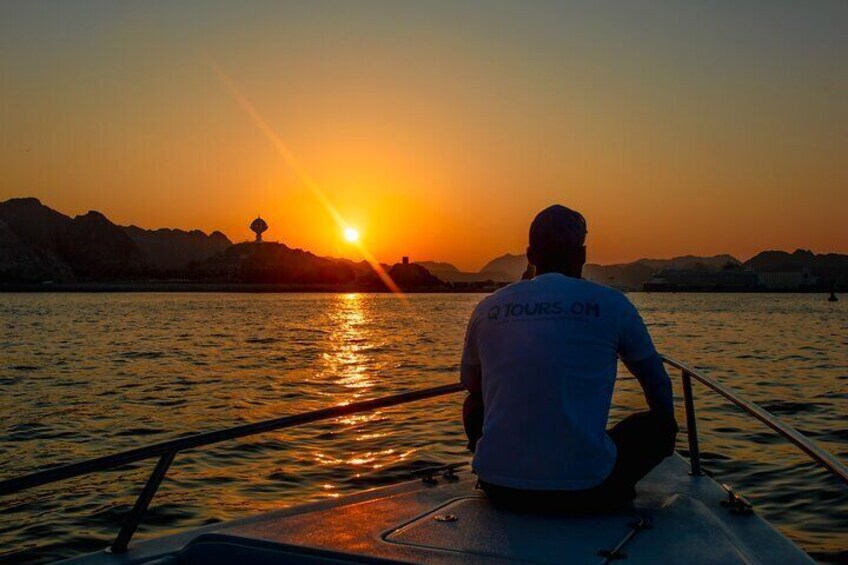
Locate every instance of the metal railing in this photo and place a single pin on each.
(687, 373)
(166, 451)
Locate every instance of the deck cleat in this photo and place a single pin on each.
(450, 475)
(737, 503)
(428, 474)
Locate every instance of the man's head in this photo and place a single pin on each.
(557, 241)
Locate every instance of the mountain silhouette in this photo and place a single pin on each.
(777, 260)
(39, 244)
(438, 267)
(628, 276)
(20, 262)
(712, 263)
(633, 276)
(97, 249)
(831, 269)
(273, 263)
(828, 269)
(507, 267)
(413, 276)
(33, 223)
(450, 273)
(171, 249)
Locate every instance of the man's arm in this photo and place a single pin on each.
(656, 385)
(650, 372)
(471, 376)
(636, 349)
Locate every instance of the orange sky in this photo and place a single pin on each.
(438, 130)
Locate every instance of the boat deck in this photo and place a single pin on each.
(677, 518)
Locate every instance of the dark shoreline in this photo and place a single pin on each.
(738, 291)
(259, 288)
(189, 287)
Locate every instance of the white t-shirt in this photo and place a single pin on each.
(545, 353)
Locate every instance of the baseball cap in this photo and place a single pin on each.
(558, 228)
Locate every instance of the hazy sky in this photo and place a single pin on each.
(438, 129)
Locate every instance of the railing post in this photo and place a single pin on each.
(691, 426)
(141, 504)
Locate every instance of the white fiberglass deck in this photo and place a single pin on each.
(677, 519)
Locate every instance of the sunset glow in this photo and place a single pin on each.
(301, 173)
(675, 129)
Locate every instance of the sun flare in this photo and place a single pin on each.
(351, 234)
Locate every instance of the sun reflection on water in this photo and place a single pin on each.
(346, 361)
(348, 372)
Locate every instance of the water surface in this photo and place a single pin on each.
(83, 375)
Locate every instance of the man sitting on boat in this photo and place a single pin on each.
(540, 362)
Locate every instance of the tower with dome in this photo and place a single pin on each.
(258, 226)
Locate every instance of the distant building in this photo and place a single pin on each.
(786, 278)
(702, 280)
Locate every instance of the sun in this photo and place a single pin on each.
(351, 234)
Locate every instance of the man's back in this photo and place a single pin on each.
(543, 352)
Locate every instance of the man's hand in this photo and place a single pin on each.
(472, 419)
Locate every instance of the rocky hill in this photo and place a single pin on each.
(438, 267)
(507, 267)
(782, 260)
(449, 273)
(20, 262)
(39, 244)
(685, 262)
(831, 269)
(272, 263)
(633, 276)
(413, 276)
(626, 276)
(96, 249)
(171, 249)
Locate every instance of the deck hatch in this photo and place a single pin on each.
(482, 530)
